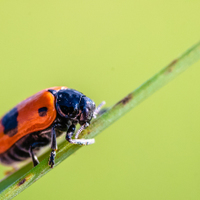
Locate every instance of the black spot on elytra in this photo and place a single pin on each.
(9, 121)
(42, 111)
(22, 182)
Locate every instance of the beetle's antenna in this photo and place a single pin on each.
(98, 108)
(79, 131)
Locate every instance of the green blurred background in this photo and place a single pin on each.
(105, 49)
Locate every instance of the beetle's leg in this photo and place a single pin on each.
(70, 133)
(52, 158)
(32, 155)
(53, 147)
(60, 127)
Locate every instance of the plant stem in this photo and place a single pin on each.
(20, 180)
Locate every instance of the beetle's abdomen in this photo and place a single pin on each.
(19, 151)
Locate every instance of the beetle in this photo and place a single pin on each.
(38, 120)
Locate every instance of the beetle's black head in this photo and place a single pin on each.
(74, 106)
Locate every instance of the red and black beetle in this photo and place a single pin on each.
(38, 120)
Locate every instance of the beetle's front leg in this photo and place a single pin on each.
(70, 133)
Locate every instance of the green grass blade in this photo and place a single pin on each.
(23, 178)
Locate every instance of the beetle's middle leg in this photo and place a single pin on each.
(54, 147)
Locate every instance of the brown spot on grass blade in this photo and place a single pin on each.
(27, 178)
(88, 132)
(171, 66)
(125, 100)
(22, 182)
